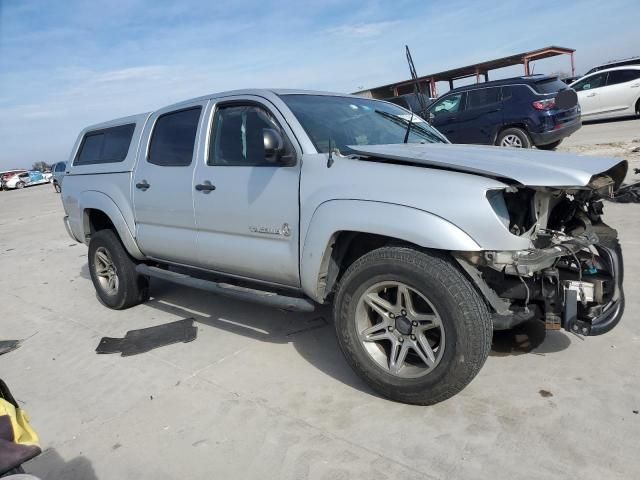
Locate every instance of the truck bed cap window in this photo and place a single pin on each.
(109, 145)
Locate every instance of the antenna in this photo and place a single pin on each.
(416, 83)
(330, 157)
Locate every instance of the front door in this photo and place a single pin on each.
(163, 185)
(247, 208)
(590, 93)
(481, 117)
(445, 116)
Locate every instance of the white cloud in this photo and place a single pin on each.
(363, 30)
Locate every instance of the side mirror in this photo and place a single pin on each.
(431, 117)
(273, 145)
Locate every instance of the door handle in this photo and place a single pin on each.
(635, 85)
(592, 94)
(205, 187)
(143, 185)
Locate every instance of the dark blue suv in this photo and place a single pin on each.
(534, 110)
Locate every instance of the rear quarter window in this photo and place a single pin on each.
(482, 96)
(109, 145)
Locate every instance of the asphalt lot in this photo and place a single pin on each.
(266, 394)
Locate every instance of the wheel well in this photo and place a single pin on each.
(638, 105)
(96, 220)
(521, 126)
(344, 249)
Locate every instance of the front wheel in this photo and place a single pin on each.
(514, 137)
(56, 186)
(113, 272)
(20, 185)
(411, 325)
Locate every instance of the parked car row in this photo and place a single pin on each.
(17, 179)
(532, 110)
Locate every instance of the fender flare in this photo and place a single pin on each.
(392, 220)
(92, 199)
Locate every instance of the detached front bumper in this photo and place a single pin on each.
(543, 285)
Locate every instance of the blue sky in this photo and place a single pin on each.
(67, 64)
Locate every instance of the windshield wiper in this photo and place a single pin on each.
(406, 135)
(403, 121)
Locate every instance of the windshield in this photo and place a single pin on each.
(343, 121)
(550, 85)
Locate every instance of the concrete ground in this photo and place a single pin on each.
(266, 394)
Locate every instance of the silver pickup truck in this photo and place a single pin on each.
(293, 199)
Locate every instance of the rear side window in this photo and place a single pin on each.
(483, 96)
(110, 145)
(551, 85)
(622, 76)
(174, 138)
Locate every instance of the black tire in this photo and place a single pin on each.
(56, 186)
(549, 146)
(132, 288)
(464, 316)
(517, 133)
(20, 185)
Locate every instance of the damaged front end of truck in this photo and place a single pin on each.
(571, 276)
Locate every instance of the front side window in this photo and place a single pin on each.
(622, 76)
(595, 81)
(238, 136)
(174, 137)
(109, 145)
(60, 167)
(338, 122)
(482, 97)
(450, 104)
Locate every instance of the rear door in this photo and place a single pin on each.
(446, 112)
(622, 90)
(247, 209)
(481, 117)
(589, 92)
(163, 184)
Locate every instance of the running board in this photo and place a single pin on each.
(271, 299)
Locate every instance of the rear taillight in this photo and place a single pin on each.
(544, 104)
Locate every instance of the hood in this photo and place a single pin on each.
(531, 167)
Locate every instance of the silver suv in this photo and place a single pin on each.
(293, 199)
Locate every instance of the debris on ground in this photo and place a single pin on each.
(7, 346)
(146, 339)
(545, 393)
(627, 194)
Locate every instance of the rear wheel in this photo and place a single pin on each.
(514, 137)
(113, 272)
(411, 325)
(549, 146)
(20, 185)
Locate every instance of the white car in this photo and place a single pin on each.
(614, 92)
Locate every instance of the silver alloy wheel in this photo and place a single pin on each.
(106, 271)
(511, 141)
(400, 329)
